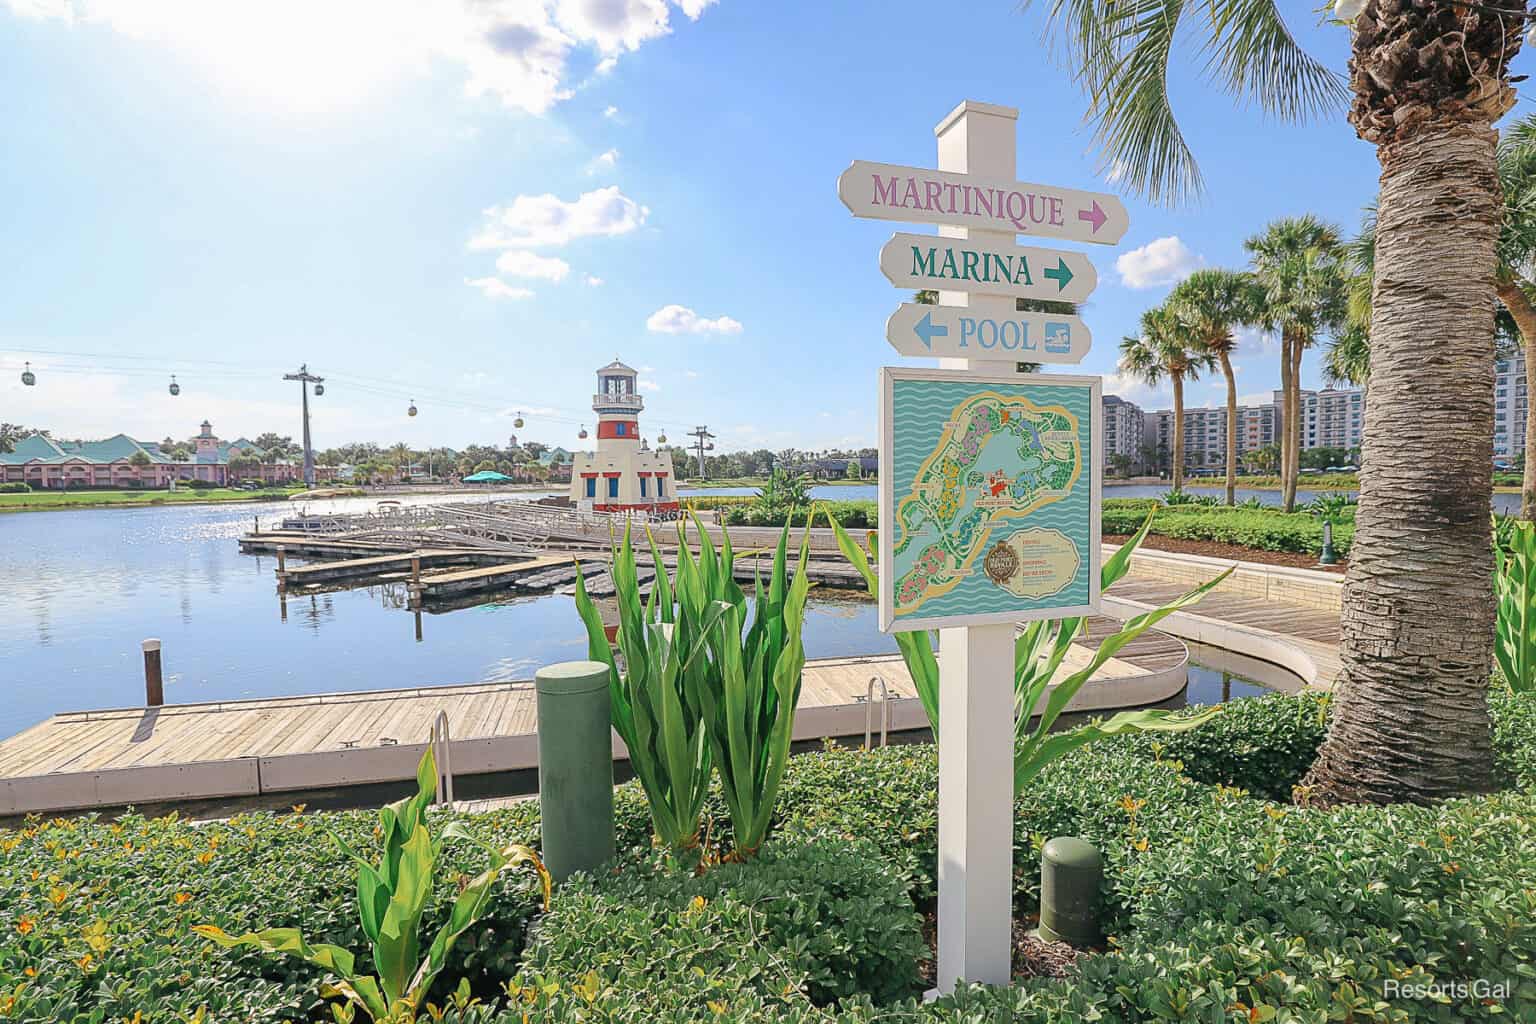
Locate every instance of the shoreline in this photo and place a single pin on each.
(160, 499)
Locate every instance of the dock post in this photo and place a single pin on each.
(255, 525)
(154, 687)
(282, 566)
(416, 589)
(575, 766)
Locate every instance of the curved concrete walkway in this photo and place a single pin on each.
(1289, 617)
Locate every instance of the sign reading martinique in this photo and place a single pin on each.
(892, 192)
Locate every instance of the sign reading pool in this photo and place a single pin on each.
(990, 512)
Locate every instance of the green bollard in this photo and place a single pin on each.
(575, 766)
(1070, 872)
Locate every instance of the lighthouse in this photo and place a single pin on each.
(624, 474)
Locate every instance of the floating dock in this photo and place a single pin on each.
(243, 750)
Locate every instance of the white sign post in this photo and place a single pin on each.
(976, 662)
(981, 273)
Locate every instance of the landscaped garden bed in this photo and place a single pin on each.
(1229, 552)
(1225, 901)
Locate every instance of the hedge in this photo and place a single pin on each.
(1220, 904)
(1262, 529)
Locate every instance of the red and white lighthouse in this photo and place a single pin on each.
(624, 474)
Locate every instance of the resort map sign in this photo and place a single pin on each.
(989, 497)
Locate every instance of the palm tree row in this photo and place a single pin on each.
(1296, 286)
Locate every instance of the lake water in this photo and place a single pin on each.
(84, 587)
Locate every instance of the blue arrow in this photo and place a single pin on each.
(1061, 273)
(926, 331)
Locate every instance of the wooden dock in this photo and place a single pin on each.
(230, 751)
(371, 567)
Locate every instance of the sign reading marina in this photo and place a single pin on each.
(991, 498)
(955, 264)
(891, 192)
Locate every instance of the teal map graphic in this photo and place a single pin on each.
(991, 496)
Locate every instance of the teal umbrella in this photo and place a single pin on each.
(486, 476)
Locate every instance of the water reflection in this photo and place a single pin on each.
(84, 587)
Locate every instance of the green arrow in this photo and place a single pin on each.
(1062, 274)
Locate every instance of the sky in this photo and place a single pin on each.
(473, 205)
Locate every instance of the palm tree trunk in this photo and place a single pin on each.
(1226, 368)
(1178, 431)
(1293, 468)
(1285, 410)
(1524, 313)
(1411, 718)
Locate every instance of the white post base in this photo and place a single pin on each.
(975, 805)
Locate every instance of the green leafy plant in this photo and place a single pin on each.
(1332, 507)
(1515, 592)
(754, 685)
(1038, 654)
(391, 897)
(658, 698)
(1174, 499)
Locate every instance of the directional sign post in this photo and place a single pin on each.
(890, 192)
(961, 265)
(959, 332)
(989, 456)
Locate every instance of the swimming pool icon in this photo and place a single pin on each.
(1058, 337)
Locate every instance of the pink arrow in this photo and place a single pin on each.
(1096, 216)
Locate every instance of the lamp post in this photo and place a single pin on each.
(305, 379)
(1329, 556)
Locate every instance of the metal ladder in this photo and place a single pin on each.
(869, 712)
(442, 758)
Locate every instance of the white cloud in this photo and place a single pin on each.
(690, 373)
(1162, 261)
(1257, 340)
(522, 263)
(496, 288)
(1134, 389)
(677, 319)
(547, 220)
(1257, 398)
(604, 161)
(647, 385)
(591, 281)
(342, 51)
(606, 65)
(611, 112)
(647, 369)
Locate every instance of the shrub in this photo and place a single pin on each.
(1263, 530)
(100, 913)
(16, 488)
(1263, 745)
(826, 920)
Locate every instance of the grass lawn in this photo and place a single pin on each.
(757, 481)
(40, 500)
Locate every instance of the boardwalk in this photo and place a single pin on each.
(244, 748)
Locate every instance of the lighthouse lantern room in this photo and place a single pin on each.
(624, 474)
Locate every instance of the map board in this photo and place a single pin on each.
(989, 497)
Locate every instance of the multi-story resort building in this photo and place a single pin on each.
(1511, 405)
(1329, 419)
(47, 464)
(1124, 427)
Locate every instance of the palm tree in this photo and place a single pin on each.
(1428, 78)
(1211, 303)
(1297, 262)
(1515, 280)
(1165, 348)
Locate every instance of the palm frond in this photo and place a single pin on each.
(1254, 55)
(1120, 53)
